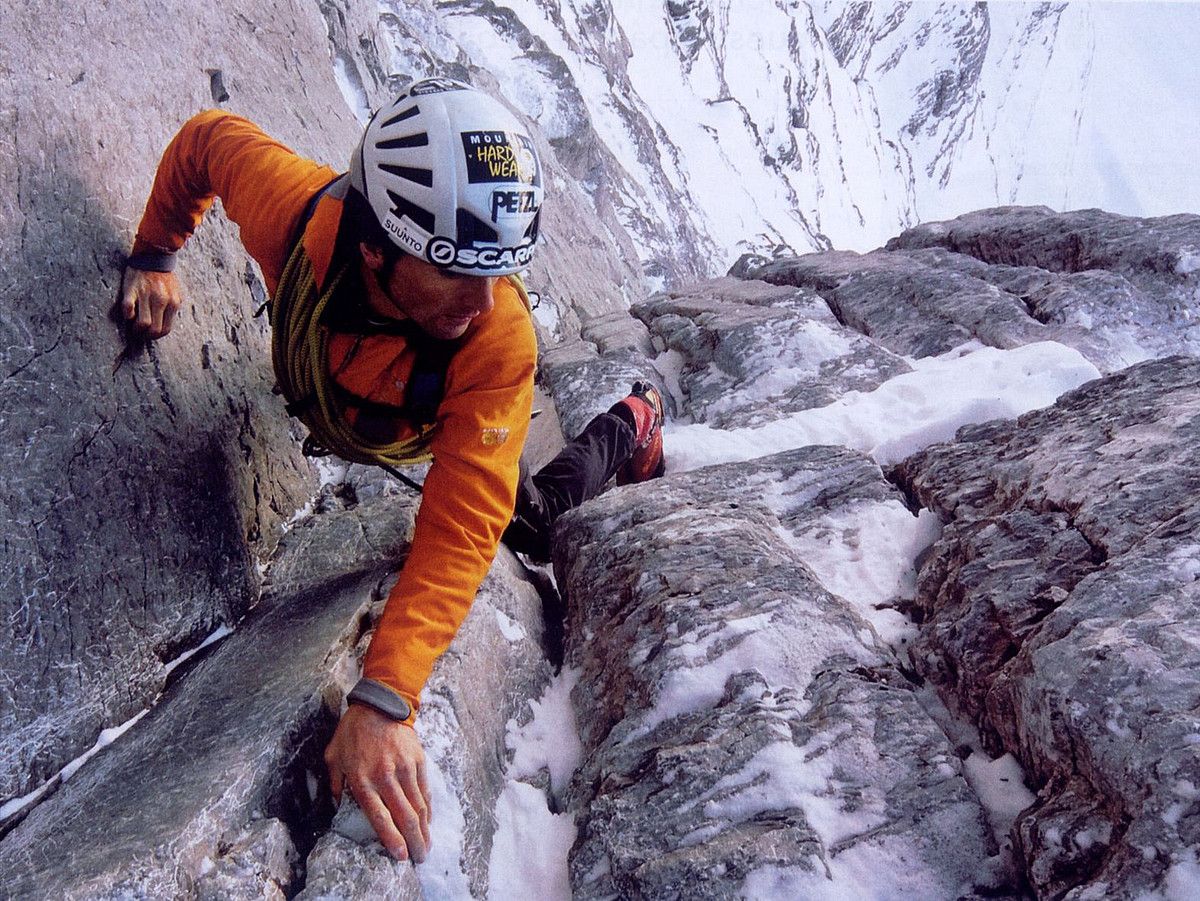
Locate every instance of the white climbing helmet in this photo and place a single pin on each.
(453, 178)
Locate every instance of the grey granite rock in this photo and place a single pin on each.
(1058, 609)
(261, 862)
(1118, 289)
(1159, 252)
(1119, 276)
(751, 353)
(136, 497)
(348, 862)
(175, 807)
(741, 723)
(585, 383)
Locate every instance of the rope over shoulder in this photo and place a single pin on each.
(300, 357)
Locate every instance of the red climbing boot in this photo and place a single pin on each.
(646, 406)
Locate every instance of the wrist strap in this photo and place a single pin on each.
(152, 261)
(379, 697)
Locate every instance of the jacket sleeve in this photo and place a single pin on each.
(468, 499)
(263, 186)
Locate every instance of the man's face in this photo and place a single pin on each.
(441, 303)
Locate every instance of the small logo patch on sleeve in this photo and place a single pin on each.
(493, 437)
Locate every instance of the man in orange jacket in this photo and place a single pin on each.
(406, 255)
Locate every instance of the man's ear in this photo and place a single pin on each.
(372, 256)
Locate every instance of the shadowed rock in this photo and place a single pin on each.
(176, 806)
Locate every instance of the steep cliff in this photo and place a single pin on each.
(909, 616)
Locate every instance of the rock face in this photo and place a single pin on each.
(136, 497)
(745, 732)
(1059, 607)
(1118, 289)
(221, 790)
(751, 353)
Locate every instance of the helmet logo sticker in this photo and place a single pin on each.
(507, 204)
(499, 156)
(436, 86)
(403, 235)
(441, 251)
(444, 252)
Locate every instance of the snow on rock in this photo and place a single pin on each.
(550, 740)
(1059, 609)
(751, 352)
(737, 718)
(826, 124)
(908, 412)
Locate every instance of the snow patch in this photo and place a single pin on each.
(1000, 785)
(509, 627)
(866, 555)
(1183, 879)
(531, 843)
(550, 740)
(906, 413)
(442, 875)
(351, 86)
(530, 848)
(1188, 262)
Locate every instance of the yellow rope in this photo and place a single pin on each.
(300, 355)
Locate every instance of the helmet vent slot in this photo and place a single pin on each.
(531, 233)
(420, 176)
(417, 140)
(401, 116)
(403, 207)
(473, 230)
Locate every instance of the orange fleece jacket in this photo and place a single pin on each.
(483, 419)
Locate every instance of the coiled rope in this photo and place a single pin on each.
(300, 356)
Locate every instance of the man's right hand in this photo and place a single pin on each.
(151, 299)
(383, 763)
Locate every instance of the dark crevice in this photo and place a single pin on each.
(306, 817)
(1033, 310)
(895, 475)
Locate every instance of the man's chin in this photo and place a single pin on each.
(448, 331)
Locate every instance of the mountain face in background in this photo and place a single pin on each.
(712, 127)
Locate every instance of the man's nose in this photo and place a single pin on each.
(480, 299)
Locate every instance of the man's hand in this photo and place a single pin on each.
(151, 299)
(383, 763)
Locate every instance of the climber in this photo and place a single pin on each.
(399, 334)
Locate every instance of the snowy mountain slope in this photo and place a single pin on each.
(712, 127)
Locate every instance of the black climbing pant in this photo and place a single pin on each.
(577, 474)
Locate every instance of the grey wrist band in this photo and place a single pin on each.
(380, 697)
(152, 261)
